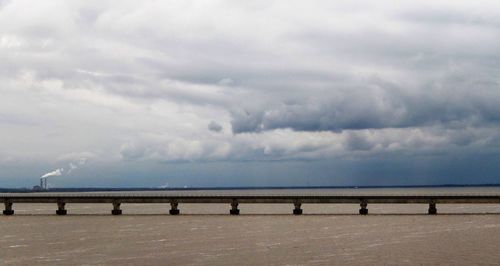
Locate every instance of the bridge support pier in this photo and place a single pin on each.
(8, 208)
(363, 210)
(60, 208)
(432, 208)
(297, 210)
(234, 208)
(173, 208)
(116, 208)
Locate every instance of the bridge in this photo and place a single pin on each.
(363, 197)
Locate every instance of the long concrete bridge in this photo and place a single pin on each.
(363, 197)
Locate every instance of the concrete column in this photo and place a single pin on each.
(363, 209)
(234, 208)
(60, 208)
(297, 210)
(116, 208)
(173, 208)
(8, 208)
(432, 208)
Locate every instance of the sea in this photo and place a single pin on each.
(263, 234)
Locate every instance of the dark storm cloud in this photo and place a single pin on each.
(458, 101)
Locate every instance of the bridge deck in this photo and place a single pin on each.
(234, 197)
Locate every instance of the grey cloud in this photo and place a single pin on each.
(443, 16)
(357, 142)
(295, 80)
(3, 3)
(215, 127)
(245, 121)
(130, 151)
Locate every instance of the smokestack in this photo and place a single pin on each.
(57, 172)
(41, 183)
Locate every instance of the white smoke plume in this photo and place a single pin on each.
(166, 185)
(60, 171)
(76, 165)
(57, 172)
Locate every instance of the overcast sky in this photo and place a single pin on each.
(229, 93)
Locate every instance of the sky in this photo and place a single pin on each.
(249, 93)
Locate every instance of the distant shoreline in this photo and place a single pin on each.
(98, 189)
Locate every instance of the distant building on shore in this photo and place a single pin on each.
(42, 186)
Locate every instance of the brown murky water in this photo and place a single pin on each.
(262, 235)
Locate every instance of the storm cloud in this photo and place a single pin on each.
(286, 82)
